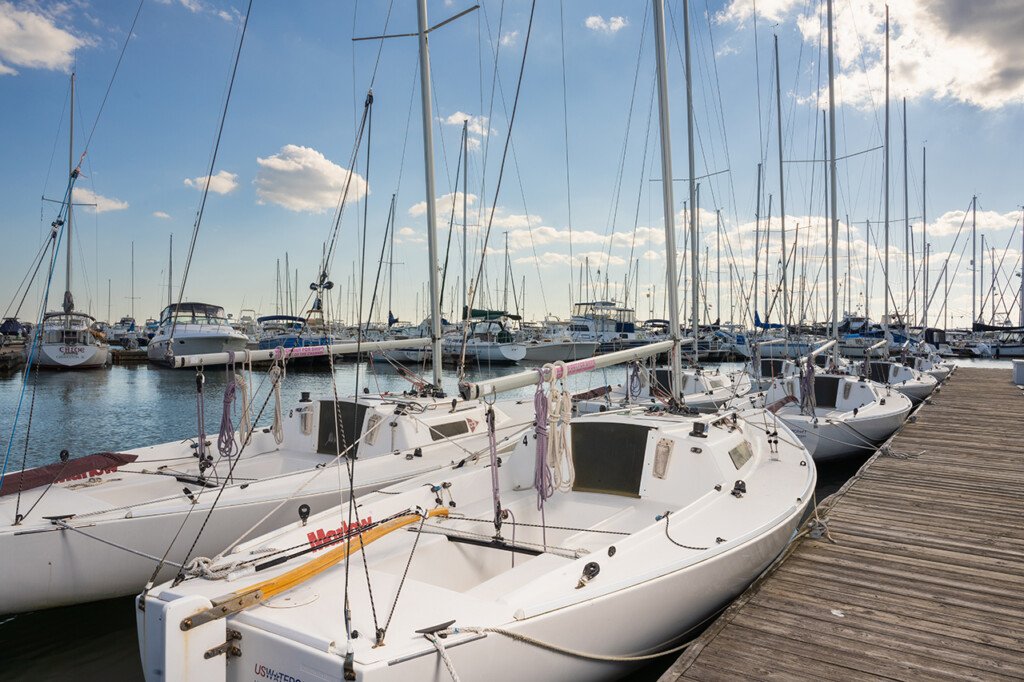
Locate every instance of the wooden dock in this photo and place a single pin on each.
(923, 577)
(120, 356)
(12, 358)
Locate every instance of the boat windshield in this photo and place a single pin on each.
(193, 313)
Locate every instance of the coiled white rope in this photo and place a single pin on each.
(245, 420)
(559, 416)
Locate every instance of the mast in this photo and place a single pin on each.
(974, 259)
(1022, 272)
(170, 267)
(782, 196)
(849, 268)
(428, 162)
(694, 255)
(391, 260)
(69, 300)
(867, 272)
(906, 226)
(718, 264)
(981, 279)
(504, 300)
(757, 234)
(885, 174)
(925, 298)
(668, 202)
(465, 231)
(133, 286)
(832, 180)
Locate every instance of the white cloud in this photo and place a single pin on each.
(31, 39)
(303, 179)
(968, 52)
(162, 215)
(473, 143)
(609, 26)
(597, 259)
(771, 11)
(949, 223)
(221, 183)
(478, 125)
(408, 235)
(444, 205)
(509, 38)
(83, 195)
(225, 16)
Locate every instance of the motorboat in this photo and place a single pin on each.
(193, 329)
(486, 342)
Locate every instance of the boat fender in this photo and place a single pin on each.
(739, 488)
(304, 513)
(590, 572)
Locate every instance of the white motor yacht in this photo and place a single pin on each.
(193, 329)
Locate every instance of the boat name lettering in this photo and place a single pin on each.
(321, 538)
(275, 675)
(91, 473)
(72, 350)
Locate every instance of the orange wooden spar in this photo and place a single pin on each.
(254, 594)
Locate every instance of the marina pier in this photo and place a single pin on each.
(914, 568)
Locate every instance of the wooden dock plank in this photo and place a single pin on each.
(925, 577)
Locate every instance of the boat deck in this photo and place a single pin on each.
(923, 573)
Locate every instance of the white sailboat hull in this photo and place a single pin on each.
(650, 616)
(72, 356)
(555, 351)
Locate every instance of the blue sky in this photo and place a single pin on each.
(300, 87)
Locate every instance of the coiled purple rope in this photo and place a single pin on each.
(226, 440)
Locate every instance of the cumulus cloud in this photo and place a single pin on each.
(772, 11)
(478, 125)
(968, 52)
(162, 215)
(597, 259)
(609, 26)
(83, 195)
(444, 204)
(303, 179)
(222, 182)
(408, 235)
(509, 38)
(31, 39)
(949, 223)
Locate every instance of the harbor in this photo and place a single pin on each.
(434, 341)
(912, 569)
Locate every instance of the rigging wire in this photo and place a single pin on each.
(209, 176)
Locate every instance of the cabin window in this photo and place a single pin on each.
(826, 390)
(440, 431)
(608, 457)
(880, 372)
(771, 367)
(741, 454)
(335, 437)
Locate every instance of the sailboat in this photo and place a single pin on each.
(102, 525)
(486, 571)
(69, 338)
(834, 414)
